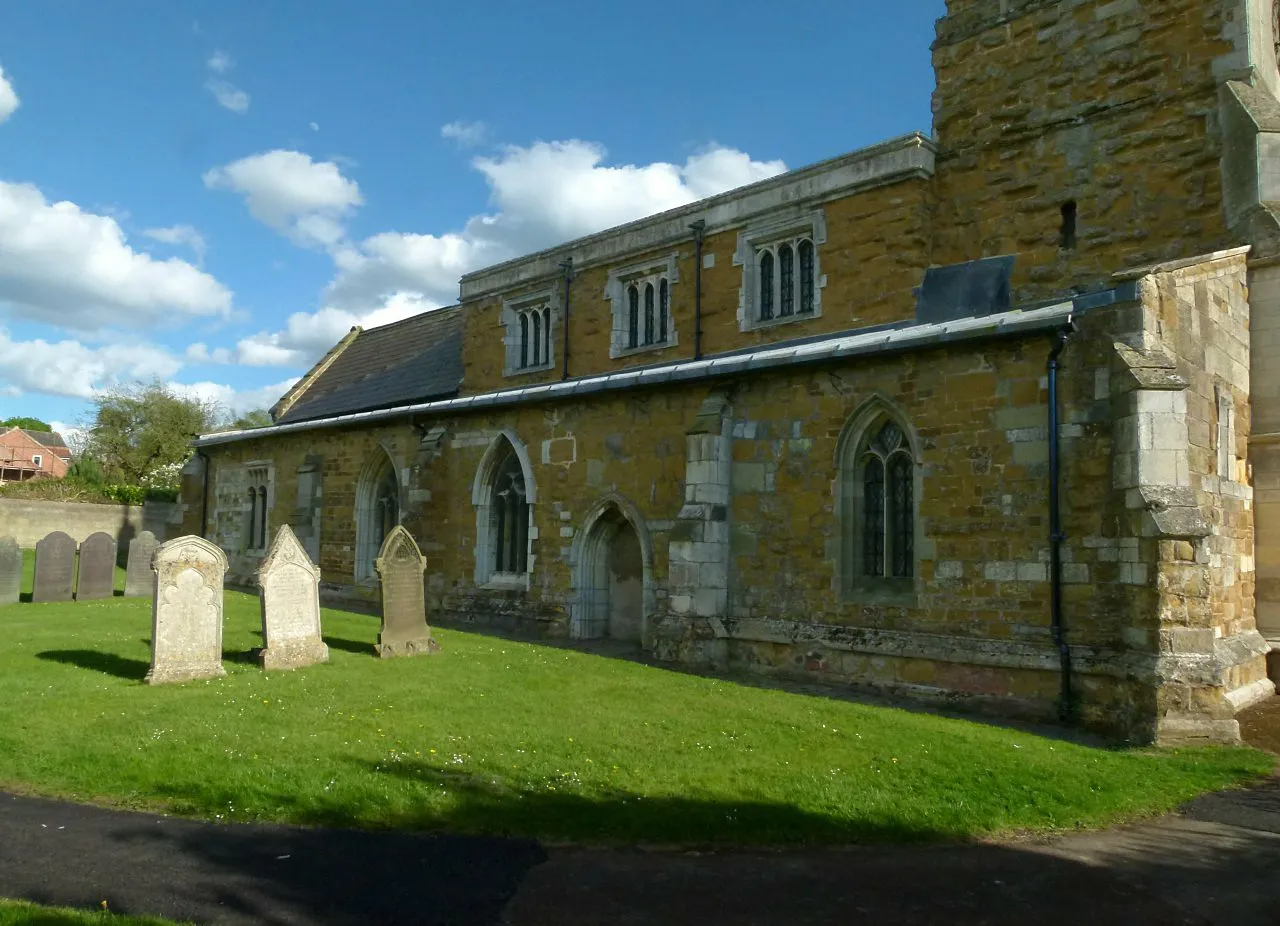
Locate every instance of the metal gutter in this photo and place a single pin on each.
(870, 343)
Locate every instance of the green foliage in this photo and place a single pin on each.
(142, 434)
(76, 490)
(258, 418)
(27, 424)
(86, 471)
(495, 736)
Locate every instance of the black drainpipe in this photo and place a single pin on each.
(698, 228)
(1056, 535)
(567, 266)
(204, 492)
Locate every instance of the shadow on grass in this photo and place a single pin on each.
(108, 663)
(350, 646)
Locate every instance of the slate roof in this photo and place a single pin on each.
(403, 363)
(51, 439)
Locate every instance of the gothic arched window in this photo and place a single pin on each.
(510, 514)
(878, 473)
(766, 285)
(633, 316)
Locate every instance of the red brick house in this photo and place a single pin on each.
(32, 454)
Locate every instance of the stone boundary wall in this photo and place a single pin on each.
(28, 521)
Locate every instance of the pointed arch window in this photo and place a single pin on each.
(503, 494)
(255, 524)
(878, 509)
(510, 518)
(786, 280)
(888, 505)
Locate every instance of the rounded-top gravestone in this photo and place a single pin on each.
(10, 570)
(400, 566)
(55, 578)
(139, 580)
(96, 576)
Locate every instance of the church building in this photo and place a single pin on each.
(988, 415)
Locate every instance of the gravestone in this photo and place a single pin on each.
(289, 586)
(186, 616)
(139, 581)
(55, 568)
(400, 566)
(10, 570)
(96, 575)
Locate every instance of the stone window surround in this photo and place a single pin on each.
(652, 271)
(853, 587)
(482, 499)
(756, 237)
(512, 309)
(259, 474)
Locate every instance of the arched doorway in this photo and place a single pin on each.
(377, 512)
(611, 579)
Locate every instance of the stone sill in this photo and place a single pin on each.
(507, 582)
(523, 371)
(760, 325)
(621, 352)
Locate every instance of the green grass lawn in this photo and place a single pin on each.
(18, 913)
(500, 737)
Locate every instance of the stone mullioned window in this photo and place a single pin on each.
(529, 321)
(781, 278)
(641, 298)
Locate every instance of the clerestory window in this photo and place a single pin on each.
(530, 324)
(642, 316)
(781, 277)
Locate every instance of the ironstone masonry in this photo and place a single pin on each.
(803, 427)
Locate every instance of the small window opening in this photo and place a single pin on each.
(1067, 235)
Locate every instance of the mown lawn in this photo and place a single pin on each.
(499, 737)
(18, 913)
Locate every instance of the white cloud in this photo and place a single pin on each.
(286, 190)
(544, 194)
(8, 97)
(180, 235)
(200, 353)
(315, 126)
(220, 62)
(228, 95)
(466, 134)
(73, 268)
(237, 401)
(69, 368)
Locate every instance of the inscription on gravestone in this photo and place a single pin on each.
(400, 566)
(139, 580)
(186, 616)
(10, 570)
(96, 575)
(55, 578)
(289, 586)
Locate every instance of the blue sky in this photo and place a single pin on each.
(212, 193)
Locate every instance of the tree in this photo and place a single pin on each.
(141, 433)
(27, 424)
(257, 418)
